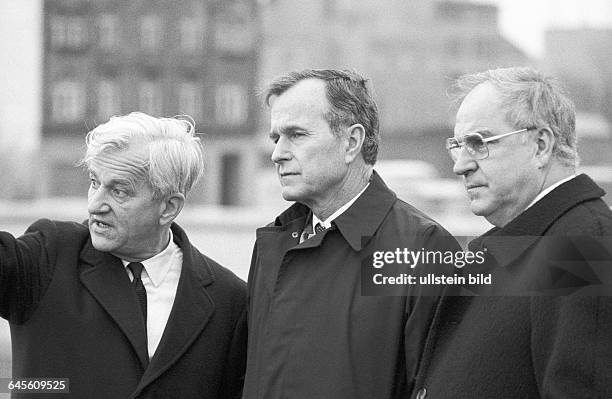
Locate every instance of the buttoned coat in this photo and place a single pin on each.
(73, 314)
(551, 346)
(312, 332)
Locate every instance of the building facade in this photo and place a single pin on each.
(411, 51)
(161, 57)
(582, 59)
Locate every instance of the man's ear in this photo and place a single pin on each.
(171, 207)
(355, 139)
(545, 141)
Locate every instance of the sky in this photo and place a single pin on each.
(524, 21)
(20, 89)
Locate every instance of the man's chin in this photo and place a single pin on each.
(102, 244)
(289, 195)
(479, 208)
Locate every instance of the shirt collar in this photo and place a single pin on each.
(158, 266)
(543, 193)
(327, 222)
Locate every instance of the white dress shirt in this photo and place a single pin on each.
(549, 189)
(327, 222)
(160, 277)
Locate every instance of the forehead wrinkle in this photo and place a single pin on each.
(132, 168)
(307, 97)
(297, 117)
(480, 111)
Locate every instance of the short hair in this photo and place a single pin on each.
(349, 99)
(531, 99)
(175, 158)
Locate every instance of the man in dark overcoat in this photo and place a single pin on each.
(123, 306)
(545, 331)
(315, 328)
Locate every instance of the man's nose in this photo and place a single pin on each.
(97, 201)
(464, 163)
(281, 151)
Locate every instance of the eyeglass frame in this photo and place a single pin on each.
(453, 142)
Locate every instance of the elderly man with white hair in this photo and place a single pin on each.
(545, 330)
(123, 305)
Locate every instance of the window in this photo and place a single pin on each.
(191, 34)
(150, 32)
(190, 100)
(68, 32)
(76, 35)
(108, 99)
(233, 38)
(107, 26)
(231, 106)
(67, 101)
(58, 31)
(234, 30)
(149, 98)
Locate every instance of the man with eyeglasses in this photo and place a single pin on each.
(548, 334)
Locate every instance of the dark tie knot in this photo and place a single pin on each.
(319, 228)
(136, 269)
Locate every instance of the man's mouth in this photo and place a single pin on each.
(99, 224)
(472, 186)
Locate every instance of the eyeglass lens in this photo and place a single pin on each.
(475, 146)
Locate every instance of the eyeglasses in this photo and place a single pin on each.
(475, 144)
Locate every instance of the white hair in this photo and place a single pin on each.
(530, 99)
(175, 158)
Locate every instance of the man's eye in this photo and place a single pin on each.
(119, 192)
(93, 183)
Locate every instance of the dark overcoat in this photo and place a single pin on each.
(73, 314)
(550, 346)
(312, 331)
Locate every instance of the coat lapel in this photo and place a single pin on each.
(274, 242)
(190, 313)
(104, 276)
(507, 244)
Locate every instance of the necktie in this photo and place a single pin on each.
(319, 228)
(139, 288)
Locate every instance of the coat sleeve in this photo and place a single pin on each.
(26, 265)
(236, 365)
(422, 306)
(250, 281)
(572, 346)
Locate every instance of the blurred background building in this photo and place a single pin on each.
(68, 65)
(582, 59)
(163, 57)
(208, 58)
(411, 51)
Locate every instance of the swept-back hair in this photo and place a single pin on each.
(530, 99)
(175, 159)
(350, 102)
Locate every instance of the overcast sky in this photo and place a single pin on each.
(524, 21)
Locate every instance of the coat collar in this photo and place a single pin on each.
(357, 224)
(509, 242)
(108, 282)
